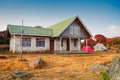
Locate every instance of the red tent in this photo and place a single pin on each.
(87, 48)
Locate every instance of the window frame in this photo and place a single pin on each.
(26, 42)
(40, 42)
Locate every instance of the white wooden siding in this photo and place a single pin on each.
(64, 48)
(74, 31)
(57, 45)
(17, 46)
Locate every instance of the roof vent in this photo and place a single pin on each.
(38, 27)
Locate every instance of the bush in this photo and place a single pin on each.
(4, 40)
(116, 40)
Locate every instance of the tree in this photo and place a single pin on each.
(116, 40)
(100, 39)
(4, 40)
(90, 42)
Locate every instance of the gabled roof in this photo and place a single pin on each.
(27, 30)
(61, 26)
(52, 31)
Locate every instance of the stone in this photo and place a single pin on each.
(36, 64)
(97, 68)
(114, 69)
(116, 76)
(3, 57)
(19, 74)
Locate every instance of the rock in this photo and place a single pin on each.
(19, 74)
(3, 57)
(116, 76)
(97, 68)
(114, 69)
(36, 64)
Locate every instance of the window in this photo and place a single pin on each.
(77, 30)
(26, 42)
(75, 43)
(74, 30)
(40, 42)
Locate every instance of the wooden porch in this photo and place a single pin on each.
(70, 52)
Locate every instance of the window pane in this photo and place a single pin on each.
(40, 42)
(26, 42)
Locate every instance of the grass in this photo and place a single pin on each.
(104, 76)
(69, 66)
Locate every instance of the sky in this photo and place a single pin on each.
(99, 16)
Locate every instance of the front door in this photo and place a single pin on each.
(68, 45)
(52, 45)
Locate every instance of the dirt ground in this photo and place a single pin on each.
(57, 66)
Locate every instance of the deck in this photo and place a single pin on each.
(70, 52)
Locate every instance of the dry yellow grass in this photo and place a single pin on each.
(57, 67)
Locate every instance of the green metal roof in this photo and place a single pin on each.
(26, 30)
(61, 26)
(53, 31)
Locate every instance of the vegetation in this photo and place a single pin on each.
(104, 76)
(90, 42)
(116, 40)
(4, 40)
(4, 43)
(100, 39)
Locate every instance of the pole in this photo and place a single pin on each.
(21, 40)
(78, 44)
(86, 45)
(14, 44)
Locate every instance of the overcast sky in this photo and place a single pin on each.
(100, 16)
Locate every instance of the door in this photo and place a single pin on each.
(68, 45)
(52, 45)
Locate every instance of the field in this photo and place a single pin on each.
(57, 66)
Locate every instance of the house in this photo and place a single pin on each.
(64, 36)
(33, 39)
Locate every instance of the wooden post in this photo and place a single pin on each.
(70, 43)
(54, 44)
(21, 41)
(60, 43)
(78, 44)
(86, 44)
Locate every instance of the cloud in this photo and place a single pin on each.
(114, 30)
